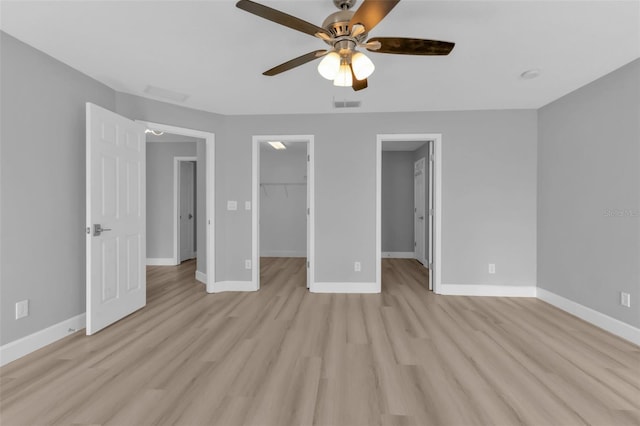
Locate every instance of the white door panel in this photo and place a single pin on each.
(419, 209)
(116, 276)
(187, 209)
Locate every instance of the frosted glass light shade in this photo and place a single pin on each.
(329, 66)
(344, 76)
(362, 65)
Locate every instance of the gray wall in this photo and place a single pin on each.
(160, 187)
(589, 194)
(42, 203)
(283, 216)
(397, 201)
(488, 204)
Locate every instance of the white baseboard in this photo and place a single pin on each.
(398, 254)
(283, 253)
(353, 287)
(220, 286)
(201, 276)
(24, 346)
(486, 290)
(610, 324)
(161, 261)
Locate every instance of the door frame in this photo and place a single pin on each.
(435, 270)
(176, 205)
(255, 214)
(210, 138)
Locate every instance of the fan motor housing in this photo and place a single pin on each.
(338, 25)
(344, 4)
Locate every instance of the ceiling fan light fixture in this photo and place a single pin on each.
(362, 65)
(344, 78)
(329, 66)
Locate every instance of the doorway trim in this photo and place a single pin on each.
(255, 214)
(210, 138)
(176, 205)
(436, 138)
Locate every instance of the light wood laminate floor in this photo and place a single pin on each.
(283, 356)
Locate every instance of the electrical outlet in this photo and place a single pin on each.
(22, 309)
(357, 267)
(625, 299)
(247, 264)
(492, 268)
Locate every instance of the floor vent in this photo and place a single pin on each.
(346, 104)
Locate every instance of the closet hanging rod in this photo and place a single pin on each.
(283, 183)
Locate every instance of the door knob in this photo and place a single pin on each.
(190, 216)
(421, 217)
(98, 229)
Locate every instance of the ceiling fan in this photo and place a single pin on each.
(345, 31)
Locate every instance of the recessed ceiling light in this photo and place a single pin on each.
(277, 145)
(530, 74)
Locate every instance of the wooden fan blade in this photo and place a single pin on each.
(371, 12)
(280, 17)
(296, 62)
(357, 84)
(411, 46)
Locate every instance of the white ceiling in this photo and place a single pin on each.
(216, 53)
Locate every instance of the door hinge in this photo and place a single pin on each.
(431, 157)
(308, 264)
(88, 230)
(308, 158)
(308, 211)
(415, 244)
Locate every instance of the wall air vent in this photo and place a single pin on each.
(346, 104)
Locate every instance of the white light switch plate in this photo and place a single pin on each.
(247, 205)
(22, 309)
(232, 205)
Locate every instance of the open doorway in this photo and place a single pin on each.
(408, 190)
(180, 199)
(283, 204)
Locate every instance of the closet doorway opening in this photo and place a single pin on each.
(283, 213)
(408, 203)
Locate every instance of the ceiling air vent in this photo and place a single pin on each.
(346, 104)
(159, 92)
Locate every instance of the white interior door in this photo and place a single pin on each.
(419, 209)
(187, 210)
(430, 215)
(116, 221)
(308, 258)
